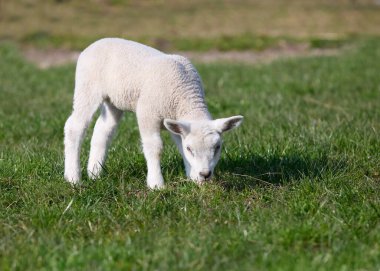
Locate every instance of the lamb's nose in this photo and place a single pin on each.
(205, 174)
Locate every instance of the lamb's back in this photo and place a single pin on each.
(116, 57)
(123, 71)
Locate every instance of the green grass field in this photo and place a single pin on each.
(297, 187)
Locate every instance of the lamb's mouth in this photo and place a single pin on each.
(201, 181)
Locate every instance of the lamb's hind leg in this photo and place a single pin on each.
(103, 132)
(75, 128)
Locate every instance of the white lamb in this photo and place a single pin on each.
(163, 90)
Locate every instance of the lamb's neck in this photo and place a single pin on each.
(193, 109)
(195, 115)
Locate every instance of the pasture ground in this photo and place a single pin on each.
(195, 25)
(297, 187)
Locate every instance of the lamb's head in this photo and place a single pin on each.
(201, 143)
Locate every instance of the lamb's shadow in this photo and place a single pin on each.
(249, 171)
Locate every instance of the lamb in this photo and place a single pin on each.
(163, 90)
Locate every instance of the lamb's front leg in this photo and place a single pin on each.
(152, 147)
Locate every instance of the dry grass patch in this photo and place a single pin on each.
(74, 24)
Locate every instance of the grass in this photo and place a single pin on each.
(187, 25)
(297, 187)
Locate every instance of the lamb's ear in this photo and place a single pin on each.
(177, 127)
(226, 124)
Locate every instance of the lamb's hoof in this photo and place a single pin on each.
(92, 175)
(154, 185)
(73, 180)
(94, 172)
(155, 181)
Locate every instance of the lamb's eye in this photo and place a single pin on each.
(189, 150)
